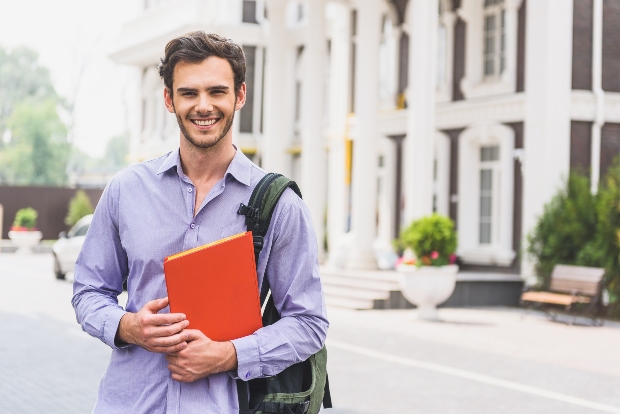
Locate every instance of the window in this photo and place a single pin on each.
(82, 231)
(494, 38)
(246, 114)
(249, 11)
(489, 191)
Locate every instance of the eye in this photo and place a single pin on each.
(188, 94)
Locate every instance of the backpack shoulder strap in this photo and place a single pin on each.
(259, 211)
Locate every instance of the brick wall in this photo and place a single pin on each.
(459, 59)
(582, 44)
(521, 48)
(610, 146)
(580, 146)
(51, 203)
(611, 45)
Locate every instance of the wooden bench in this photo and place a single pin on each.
(577, 288)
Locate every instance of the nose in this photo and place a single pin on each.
(204, 103)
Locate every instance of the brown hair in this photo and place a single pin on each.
(197, 46)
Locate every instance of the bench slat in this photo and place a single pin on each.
(571, 286)
(553, 298)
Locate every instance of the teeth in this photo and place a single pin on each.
(204, 123)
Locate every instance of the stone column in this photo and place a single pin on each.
(275, 135)
(548, 68)
(313, 156)
(364, 180)
(419, 144)
(599, 94)
(338, 111)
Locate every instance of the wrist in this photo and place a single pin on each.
(229, 354)
(123, 335)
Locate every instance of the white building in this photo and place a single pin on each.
(385, 111)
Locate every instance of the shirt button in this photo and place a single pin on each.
(192, 225)
(189, 190)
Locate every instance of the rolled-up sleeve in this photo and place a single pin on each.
(100, 270)
(292, 268)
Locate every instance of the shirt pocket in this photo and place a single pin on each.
(232, 230)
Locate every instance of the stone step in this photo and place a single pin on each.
(379, 285)
(349, 303)
(349, 292)
(389, 276)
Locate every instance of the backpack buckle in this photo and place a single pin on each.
(258, 242)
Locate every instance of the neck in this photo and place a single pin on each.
(203, 165)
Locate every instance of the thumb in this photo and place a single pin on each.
(156, 305)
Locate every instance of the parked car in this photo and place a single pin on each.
(68, 246)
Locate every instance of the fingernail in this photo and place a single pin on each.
(183, 345)
(183, 317)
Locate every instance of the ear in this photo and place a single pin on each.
(168, 100)
(240, 97)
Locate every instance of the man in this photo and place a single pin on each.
(184, 199)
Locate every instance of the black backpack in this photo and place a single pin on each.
(302, 387)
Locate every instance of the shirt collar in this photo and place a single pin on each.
(240, 167)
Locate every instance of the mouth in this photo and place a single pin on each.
(205, 123)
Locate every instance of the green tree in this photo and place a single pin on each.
(116, 152)
(22, 78)
(38, 151)
(79, 206)
(567, 224)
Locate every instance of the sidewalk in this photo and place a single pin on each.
(478, 361)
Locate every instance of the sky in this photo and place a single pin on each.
(73, 39)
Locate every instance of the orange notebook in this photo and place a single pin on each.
(215, 286)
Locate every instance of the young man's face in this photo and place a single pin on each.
(204, 101)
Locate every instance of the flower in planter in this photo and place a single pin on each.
(432, 239)
(25, 220)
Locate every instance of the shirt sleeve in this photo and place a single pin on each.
(292, 268)
(100, 270)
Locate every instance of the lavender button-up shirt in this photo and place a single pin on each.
(146, 214)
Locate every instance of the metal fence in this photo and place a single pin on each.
(52, 204)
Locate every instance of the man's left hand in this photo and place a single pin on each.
(202, 357)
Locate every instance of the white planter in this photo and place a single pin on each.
(427, 286)
(25, 240)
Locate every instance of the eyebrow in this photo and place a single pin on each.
(210, 88)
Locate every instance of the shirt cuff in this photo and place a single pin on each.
(248, 358)
(110, 326)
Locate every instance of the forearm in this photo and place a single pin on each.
(273, 348)
(98, 315)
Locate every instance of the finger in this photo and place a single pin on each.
(175, 369)
(166, 341)
(180, 378)
(169, 330)
(166, 318)
(156, 305)
(193, 334)
(169, 350)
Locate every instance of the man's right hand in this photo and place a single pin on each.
(152, 331)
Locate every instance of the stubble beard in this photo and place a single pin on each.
(206, 145)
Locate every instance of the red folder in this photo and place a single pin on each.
(215, 286)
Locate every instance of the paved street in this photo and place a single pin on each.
(476, 361)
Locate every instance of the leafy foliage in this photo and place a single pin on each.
(25, 218)
(22, 78)
(79, 206)
(567, 225)
(582, 229)
(38, 151)
(432, 239)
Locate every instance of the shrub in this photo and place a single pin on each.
(79, 206)
(432, 239)
(25, 219)
(578, 228)
(567, 224)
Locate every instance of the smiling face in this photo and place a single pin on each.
(204, 101)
